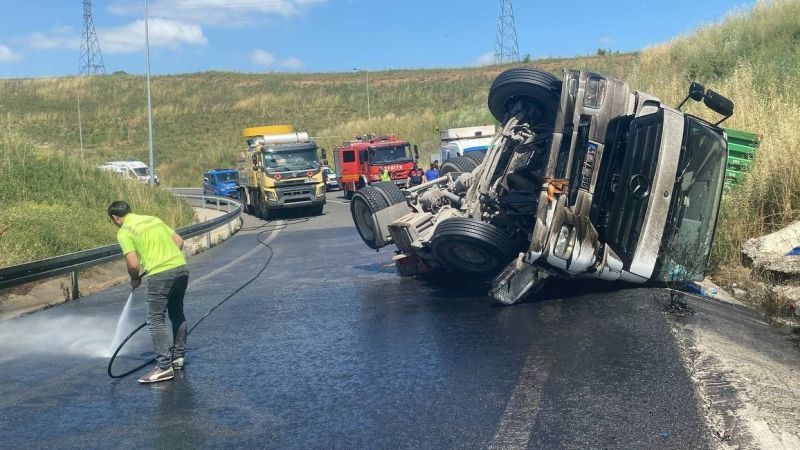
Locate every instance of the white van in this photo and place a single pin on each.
(136, 170)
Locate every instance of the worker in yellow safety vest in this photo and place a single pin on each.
(153, 248)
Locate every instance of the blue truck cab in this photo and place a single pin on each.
(221, 182)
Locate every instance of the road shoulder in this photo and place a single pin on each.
(746, 372)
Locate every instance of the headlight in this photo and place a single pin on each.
(564, 242)
(271, 196)
(320, 190)
(595, 92)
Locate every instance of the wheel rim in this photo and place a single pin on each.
(363, 217)
(469, 257)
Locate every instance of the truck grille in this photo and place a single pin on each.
(294, 196)
(627, 214)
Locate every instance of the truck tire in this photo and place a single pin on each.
(365, 203)
(261, 207)
(316, 210)
(535, 85)
(476, 156)
(391, 192)
(247, 207)
(458, 164)
(471, 246)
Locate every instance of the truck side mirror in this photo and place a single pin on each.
(205, 180)
(416, 153)
(696, 92)
(719, 104)
(324, 153)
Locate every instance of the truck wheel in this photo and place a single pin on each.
(476, 156)
(458, 164)
(316, 210)
(247, 207)
(471, 246)
(366, 202)
(535, 85)
(391, 192)
(260, 207)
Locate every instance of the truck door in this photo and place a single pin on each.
(208, 187)
(363, 156)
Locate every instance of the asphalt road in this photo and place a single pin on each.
(329, 348)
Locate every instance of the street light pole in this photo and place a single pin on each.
(149, 103)
(369, 113)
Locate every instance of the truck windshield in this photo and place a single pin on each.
(383, 155)
(141, 171)
(226, 176)
(303, 159)
(698, 187)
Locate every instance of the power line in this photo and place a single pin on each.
(506, 48)
(91, 60)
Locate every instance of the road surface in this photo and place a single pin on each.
(329, 348)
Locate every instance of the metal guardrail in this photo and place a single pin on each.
(73, 262)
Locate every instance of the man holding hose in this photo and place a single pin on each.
(153, 248)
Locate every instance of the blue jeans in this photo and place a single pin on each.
(165, 293)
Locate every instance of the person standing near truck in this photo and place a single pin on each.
(415, 176)
(433, 172)
(153, 248)
(385, 174)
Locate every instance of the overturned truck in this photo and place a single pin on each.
(587, 178)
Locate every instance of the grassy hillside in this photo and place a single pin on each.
(54, 205)
(198, 117)
(751, 56)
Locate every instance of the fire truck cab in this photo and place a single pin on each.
(359, 162)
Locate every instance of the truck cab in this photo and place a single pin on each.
(589, 178)
(221, 182)
(359, 162)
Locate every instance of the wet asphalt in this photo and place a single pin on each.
(329, 348)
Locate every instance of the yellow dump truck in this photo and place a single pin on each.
(280, 169)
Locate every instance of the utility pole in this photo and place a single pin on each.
(149, 102)
(506, 48)
(80, 126)
(369, 113)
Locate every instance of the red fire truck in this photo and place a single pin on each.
(359, 162)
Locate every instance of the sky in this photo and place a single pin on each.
(41, 38)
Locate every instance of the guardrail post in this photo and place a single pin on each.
(218, 208)
(208, 239)
(74, 292)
